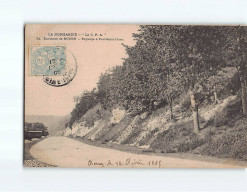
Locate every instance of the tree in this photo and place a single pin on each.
(104, 85)
(235, 55)
(166, 61)
(131, 86)
(166, 77)
(168, 58)
(185, 56)
(198, 61)
(87, 101)
(153, 61)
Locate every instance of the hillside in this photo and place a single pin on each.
(53, 123)
(182, 89)
(222, 128)
(221, 137)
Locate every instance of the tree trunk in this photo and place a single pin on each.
(243, 95)
(171, 111)
(215, 91)
(242, 77)
(242, 72)
(196, 120)
(215, 95)
(194, 108)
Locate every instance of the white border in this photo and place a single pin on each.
(13, 16)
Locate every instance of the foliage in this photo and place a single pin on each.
(87, 100)
(35, 126)
(221, 118)
(103, 93)
(165, 63)
(231, 144)
(178, 138)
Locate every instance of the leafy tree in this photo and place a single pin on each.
(216, 83)
(163, 41)
(166, 61)
(235, 55)
(104, 85)
(199, 46)
(147, 75)
(182, 57)
(87, 101)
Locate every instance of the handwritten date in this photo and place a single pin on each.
(129, 162)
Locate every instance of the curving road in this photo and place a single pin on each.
(66, 152)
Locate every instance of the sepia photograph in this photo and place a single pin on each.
(135, 96)
(126, 96)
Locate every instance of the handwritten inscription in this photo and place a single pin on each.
(129, 162)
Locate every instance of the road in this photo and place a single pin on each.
(66, 152)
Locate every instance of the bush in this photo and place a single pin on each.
(178, 138)
(231, 144)
(221, 118)
(241, 125)
(85, 102)
(228, 143)
(209, 135)
(94, 114)
(232, 87)
(228, 115)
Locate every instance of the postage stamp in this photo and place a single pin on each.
(48, 60)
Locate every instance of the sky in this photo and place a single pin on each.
(92, 57)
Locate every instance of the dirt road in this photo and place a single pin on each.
(66, 152)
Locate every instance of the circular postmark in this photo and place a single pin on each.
(62, 77)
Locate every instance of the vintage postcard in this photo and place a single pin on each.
(135, 96)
